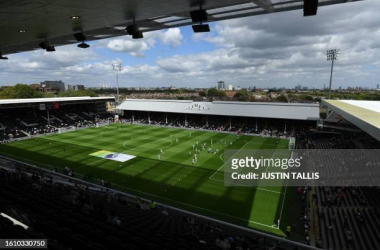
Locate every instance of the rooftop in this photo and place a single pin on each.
(56, 99)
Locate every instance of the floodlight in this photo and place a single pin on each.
(332, 55)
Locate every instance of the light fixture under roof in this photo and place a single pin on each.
(46, 46)
(22, 31)
(199, 16)
(83, 45)
(134, 31)
(201, 28)
(138, 35)
(3, 57)
(81, 38)
(75, 17)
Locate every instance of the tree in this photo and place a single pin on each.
(20, 91)
(222, 93)
(242, 95)
(48, 95)
(213, 92)
(290, 95)
(202, 93)
(307, 97)
(252, 98)
(282, 98)
(72, 93)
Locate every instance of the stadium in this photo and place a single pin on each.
(120, 173)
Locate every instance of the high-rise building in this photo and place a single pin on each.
(230, 87)
(221, 85)
(378, 85)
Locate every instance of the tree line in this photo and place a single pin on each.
(23, 91)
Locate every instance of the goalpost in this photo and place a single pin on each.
(292, 143)
(66, 129)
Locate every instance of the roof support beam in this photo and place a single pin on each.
(264, 4)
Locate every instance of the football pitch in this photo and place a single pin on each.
(170, 176)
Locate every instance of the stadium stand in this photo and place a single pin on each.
(245, 125)
(73, 214)
(25, 119)
(283, 119)
(347, 217)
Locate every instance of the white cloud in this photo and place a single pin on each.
(137, 47)
(172, 37)
(281, 49)
(287, 45)
(132, 47)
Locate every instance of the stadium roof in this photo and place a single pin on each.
(297, 111)
(4, 102)
(25, 24)
(363, 114)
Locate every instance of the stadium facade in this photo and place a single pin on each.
(296, 111)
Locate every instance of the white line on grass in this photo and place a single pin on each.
(221, 156)
(283, 200)
(228, 159)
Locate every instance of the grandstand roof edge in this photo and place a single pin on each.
(363, 117)
(55, 99)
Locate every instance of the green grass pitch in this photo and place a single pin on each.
(173, 179)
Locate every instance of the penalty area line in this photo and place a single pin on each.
(228, 159)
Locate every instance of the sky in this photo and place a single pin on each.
(274, 50)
